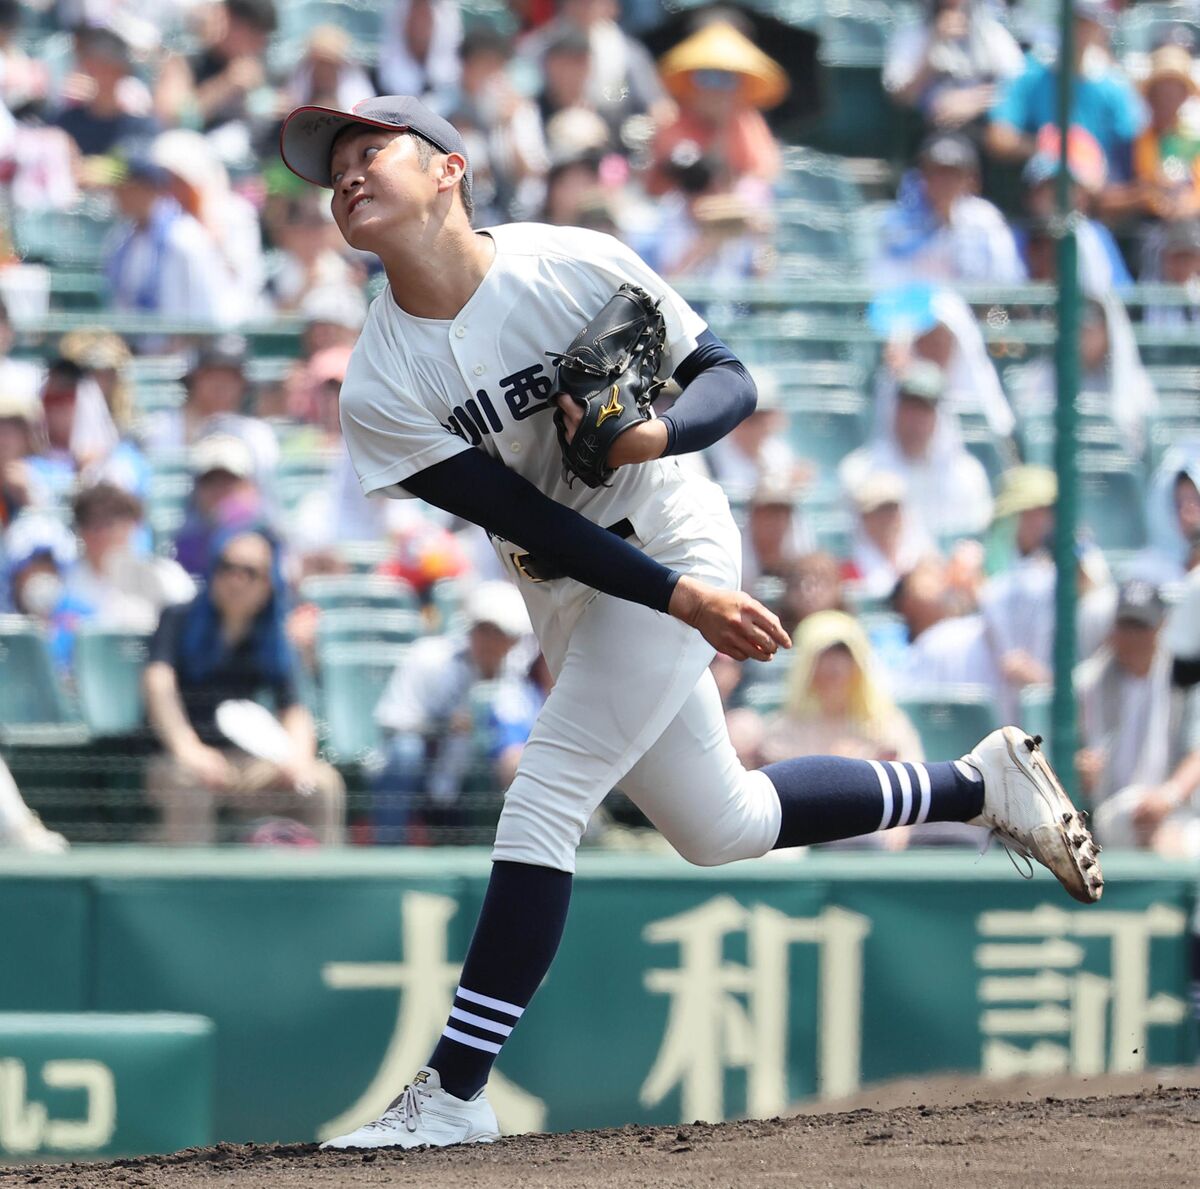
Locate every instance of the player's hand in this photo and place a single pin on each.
(730, 620)
(641, 443)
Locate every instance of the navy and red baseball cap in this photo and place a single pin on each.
(306, 138)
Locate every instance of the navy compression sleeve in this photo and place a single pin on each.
(718, 393)
(480, 489)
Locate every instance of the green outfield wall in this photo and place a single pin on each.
(679, 993)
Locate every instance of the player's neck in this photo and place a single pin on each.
(437, 280)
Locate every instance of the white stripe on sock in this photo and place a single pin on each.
(970, 773)
(906, 792)
(457, 1013)
(925, 803)
(885, 787)
(473, 1042)
(509, 1009)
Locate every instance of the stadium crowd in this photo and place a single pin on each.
(184, 483)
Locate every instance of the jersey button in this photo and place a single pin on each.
(479, 369)
(459, 331)
(515, 447)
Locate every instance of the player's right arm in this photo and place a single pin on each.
(476, 487)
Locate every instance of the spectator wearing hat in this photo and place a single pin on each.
(328, 75)
(37, 550)
(197, 180)
(99, 109)
(948, 489)
(948, 63)
(722, 82)
(1104, 102)
(775, 533)
(1139, 757)
(215, 402)
(161, 260)
(429, 710)
(333, 316)
(1166, 154)
(1172, 518)
(21, 486)
(1101, 265)
(886, 542)
(225, 496)
(939, 229)
(1179, 264)
(229, 644)
(217, 84)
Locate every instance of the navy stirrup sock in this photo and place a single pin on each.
(825, 798)
(515, 940)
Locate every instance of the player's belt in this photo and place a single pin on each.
(531, 568)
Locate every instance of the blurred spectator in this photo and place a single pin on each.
(19, 378)
(947, 64)
(945, 645)
(887, 541)
(198, 182)
(112, 585)
(622, 78)
(328, 75)
(105, 105)
(1104, 101)
(429, 713)
(836, 704)
(307, 254)
(565, 71)
(576, 197)
(775, 533)
(333, 317)
(939, 229)
(756, 448)
(223, 81)
(23, 79)
(161, 260)
(722, 82)
(1101, 265)
(503, 132)
(225, 496)
(1179, 264)
(1018, 602)
(105, 358)
(228, 644)
(21, 828)
(1139, 759)
(38, 549)
(813, 583)
(419, 52)
(20, 484)
(947, 488)
(215, 403)
(1172, 517)
(1166, 155)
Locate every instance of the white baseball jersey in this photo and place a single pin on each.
(419, 390)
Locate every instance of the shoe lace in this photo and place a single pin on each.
(405, 1110)
(1012, 848)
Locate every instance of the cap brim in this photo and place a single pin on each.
(306, 140)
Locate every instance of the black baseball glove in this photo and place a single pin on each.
(610, 372)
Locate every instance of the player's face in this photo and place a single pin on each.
(378, 182)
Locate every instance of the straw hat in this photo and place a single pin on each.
(1025, 488)
(720, 46)
(1170, 61)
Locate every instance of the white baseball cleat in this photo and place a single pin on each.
(426, 1116)
(1026, 808)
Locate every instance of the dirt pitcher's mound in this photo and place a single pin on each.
(1148, 1138)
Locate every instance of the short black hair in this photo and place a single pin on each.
(483, 39)
(104, 502)
(259, 14)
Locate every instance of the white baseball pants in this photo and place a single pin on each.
(634, 705)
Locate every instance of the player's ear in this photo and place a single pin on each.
(453, 166)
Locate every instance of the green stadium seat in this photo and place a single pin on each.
(75, 237)
(364, 625)
(353, 678)
(825, 436)
(332, 592)
(951, 721)
(108, 679)
(1112, 507)
(33, 706)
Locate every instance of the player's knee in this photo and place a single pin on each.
(713, 851)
